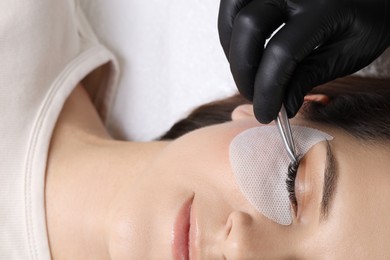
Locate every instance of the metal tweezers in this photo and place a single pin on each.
(285, 131)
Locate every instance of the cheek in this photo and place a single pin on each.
(200, 162)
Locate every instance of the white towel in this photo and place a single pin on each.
(171, 60)
(170, 56)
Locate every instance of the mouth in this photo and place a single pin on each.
(181, 232)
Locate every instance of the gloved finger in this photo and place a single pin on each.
(252, 26)
(286, 49)
(228, 10)
(328, 62)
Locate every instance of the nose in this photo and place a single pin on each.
(253, 236)
(239, 242)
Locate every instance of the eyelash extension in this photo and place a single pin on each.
(290, 182)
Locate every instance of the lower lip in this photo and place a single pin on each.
(180, 241)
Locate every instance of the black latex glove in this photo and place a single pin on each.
(321, 40)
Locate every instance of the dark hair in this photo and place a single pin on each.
(361, 106)
(209, 114)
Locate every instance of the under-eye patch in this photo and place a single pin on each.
(260, 163)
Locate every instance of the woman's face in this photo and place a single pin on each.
(187, 199)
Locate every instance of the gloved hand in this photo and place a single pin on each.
(321, 40)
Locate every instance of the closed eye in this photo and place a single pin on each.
(290, 183)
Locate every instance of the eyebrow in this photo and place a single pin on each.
(330, 182)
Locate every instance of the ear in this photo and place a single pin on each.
(243, 112)
(321, 98)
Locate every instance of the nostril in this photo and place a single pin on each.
(238, 235)
(239, 218)
(228, 227)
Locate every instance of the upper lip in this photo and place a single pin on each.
(183, 232)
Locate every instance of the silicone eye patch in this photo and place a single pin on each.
(260, 162)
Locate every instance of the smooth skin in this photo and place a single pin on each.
(109, 199)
